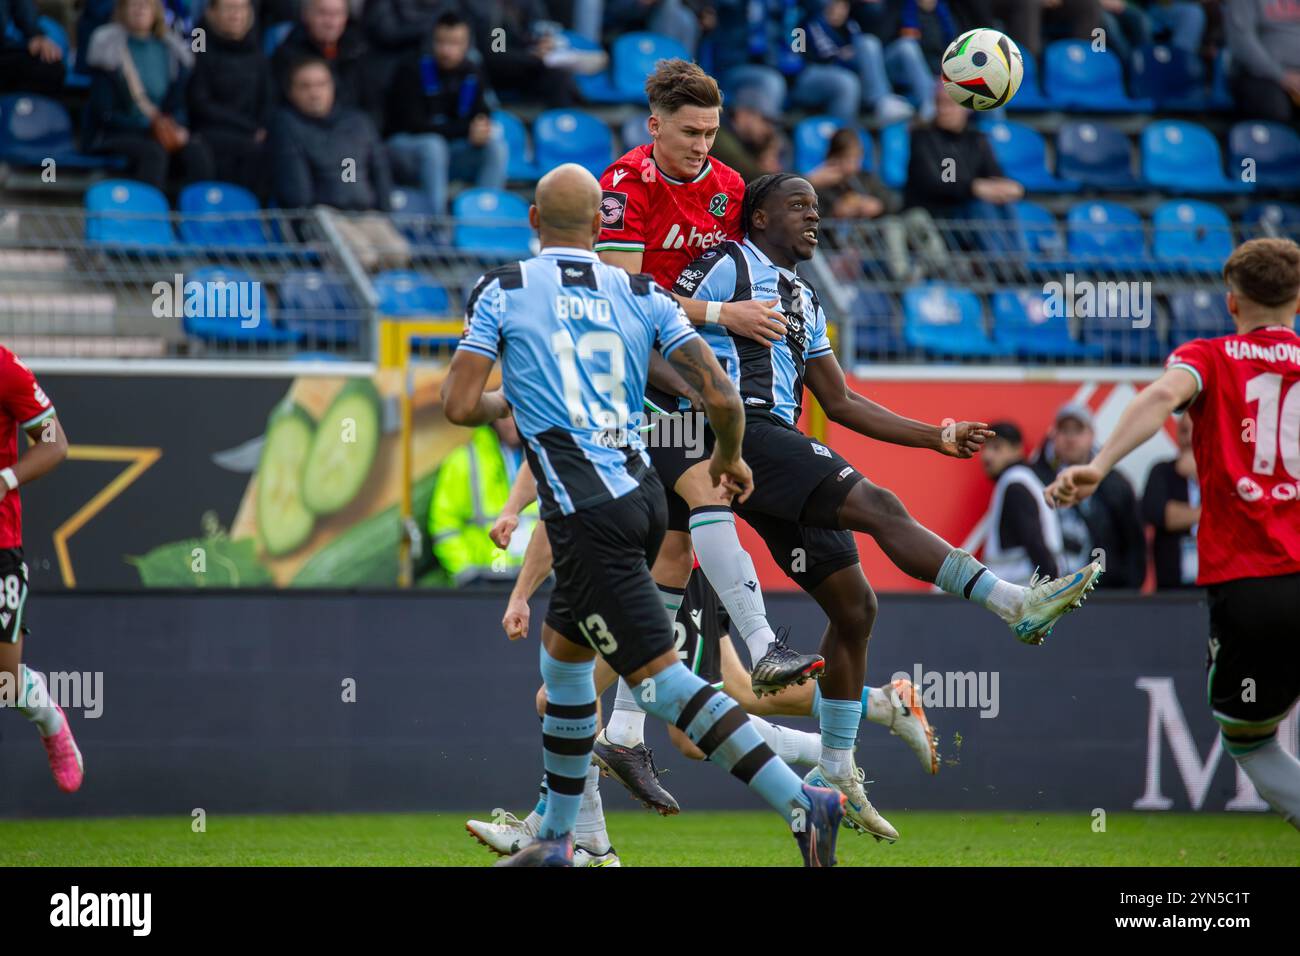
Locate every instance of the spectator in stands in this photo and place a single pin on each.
(1024, 535)
(137, 96)
(1026, 21)
(915, 34)
(1264, 38)
(395, 30)
(749, 139)
(328, 154)
(1109, 520)
(1130, 25)
(439, 123)
(325, 33)
(231, 94)
(672, 18)
(1172, 505)
(33, 62)
(835, 40)
(515, 55)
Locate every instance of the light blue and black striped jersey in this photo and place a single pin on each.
(769, 378)
(574, 338)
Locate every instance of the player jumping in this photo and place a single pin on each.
(1243, 393)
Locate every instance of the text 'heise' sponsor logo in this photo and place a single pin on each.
(75, 908)
(676, 239)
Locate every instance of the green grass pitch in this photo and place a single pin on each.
(642, 839)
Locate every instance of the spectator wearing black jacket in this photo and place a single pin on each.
(1109, 520)
(514, 55)
(33, 64)
(439, 122)
(1024, 535)
(1172, 505)
(396, 30)
(325, 33)
(231, 94)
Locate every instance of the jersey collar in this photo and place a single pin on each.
(707, 168)
(762, 257)
(569, 252)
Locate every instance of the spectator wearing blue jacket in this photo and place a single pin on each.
(33, 63)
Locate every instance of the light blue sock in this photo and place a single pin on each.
(960, 575)
(839, 720)
(817, 700)
(568, 734)
(540, 809)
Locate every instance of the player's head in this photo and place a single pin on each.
(685, 106)
(1263, 277)
(566, 207)
(1003, 450)
(780, 215)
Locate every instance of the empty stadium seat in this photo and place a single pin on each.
(635, 55)
(410, 202)
(877, 331)
(492, 222)
(1022, 325)
(34, 128)
(1080, 78)
(1197, 314)
(572, 136)
(125, 213)
(1271, 219)
(403, 293)
(1275, 150)
(1192, 236)
(1121, 342)
(1022, 154)
(220, 214)
(1184, 157)
(216, 314)
(1220, 95)
(634, 132)
(895, 152)
(812, 140)
(1041, 239)
(597, 87)
(520, 166)
(1030, 95)
(1097, 155)
(946, 321)
(1107, 235)
(319, 307)
(1172, 77)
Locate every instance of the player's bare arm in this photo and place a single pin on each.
(660, 374)
(825, 379)
(522, 493)
(49, 447)
(757, 319)
(536, 566)
(463, 400)
(1143, 417)
(698, 366)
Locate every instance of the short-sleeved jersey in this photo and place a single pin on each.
(769, 378)
(574, 338)
(1246, 441)
(25, 406)
(669, 221)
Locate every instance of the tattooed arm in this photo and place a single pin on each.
(695, 362)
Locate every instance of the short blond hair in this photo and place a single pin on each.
(1265, 271)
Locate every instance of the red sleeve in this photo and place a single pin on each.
(623, 210)
(23, 397)
(1196, 357)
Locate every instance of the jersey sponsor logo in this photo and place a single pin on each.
(676, 239)
(618, 177)
(689, 279)
(755, 401)
(820, 449)
(718, 204)
(613, 207)
(1249, 489)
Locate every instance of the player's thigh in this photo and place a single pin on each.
(13, 604)
(1253, 661)
(605, 676)
(808, 556)
(696, 488)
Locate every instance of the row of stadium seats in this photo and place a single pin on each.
(947, 322)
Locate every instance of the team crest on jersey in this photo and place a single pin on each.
(613, 206)
(718, 204)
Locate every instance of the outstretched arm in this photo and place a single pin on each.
(536, 566)
(522, 493)
(463, 399)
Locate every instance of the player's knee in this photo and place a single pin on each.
(856, 615)
(541, 701)
(878, 505)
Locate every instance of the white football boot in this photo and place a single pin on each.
(1047, 601)
(910, 723)
(505, 837)
(858, 811)
(584, 857)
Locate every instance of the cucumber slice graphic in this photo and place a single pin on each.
(283, 521)
(343, 449)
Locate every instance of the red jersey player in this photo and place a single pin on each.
(26, 408)
(1243, 393)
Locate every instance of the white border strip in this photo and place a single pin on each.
(217, 368)
(1006, 373)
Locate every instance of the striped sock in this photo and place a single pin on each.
(716, 724)
(672, 598)
(965, 577)
(568, 734)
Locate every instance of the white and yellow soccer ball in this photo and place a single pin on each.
(982, 69)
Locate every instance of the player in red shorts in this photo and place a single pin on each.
(1243, 393)
(26, 408)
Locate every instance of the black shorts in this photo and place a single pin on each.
(795, 477)
(604, 597)
(13, 595)
(676, 444)
(701, 623)
(1254, 651)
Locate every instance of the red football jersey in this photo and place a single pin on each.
(671, 222)
(25, 405)
(1246, 440)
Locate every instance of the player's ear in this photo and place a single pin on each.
(1232, 303)
(534, 218)
(652, 124)
(596, 225)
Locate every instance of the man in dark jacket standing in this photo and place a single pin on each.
(34, 64)
(1109, 520)
(231, 94)
(439, 123)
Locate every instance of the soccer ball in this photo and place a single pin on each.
(982, 69)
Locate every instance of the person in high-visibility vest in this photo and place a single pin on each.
(471, 489)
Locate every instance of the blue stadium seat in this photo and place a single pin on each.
(1022, 325)
(1107, 235)
(1079, 78)
(1274, 148)
(1121, 342)
(634, 132)
(1030, 95)
(812, 139)
(403, 293)
(1040, 237)
(1022, 154)
(1172, 77)
(238, 225)
(217, 317)
(1197, 314)
(598, 87)
(273, 36)
(877, 331)
(1184, 157)
(1220, 95)
(946, 321)
(572, 136)
(410, 202)
(1192, 236)
(895, 152)
(34, 128)
(319, 307)
(491, 222)
(125, 213)
(520, 167)
(635, 55)
(1097, 155)
(1271, 219)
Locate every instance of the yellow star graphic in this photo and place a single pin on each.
(141, 459)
